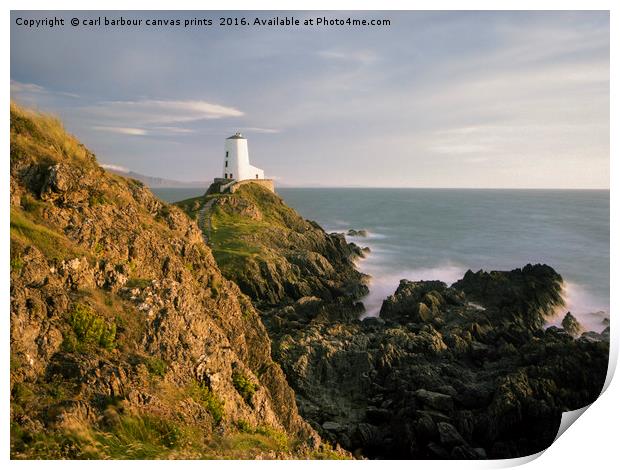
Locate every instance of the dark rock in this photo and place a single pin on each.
(465, 452)
(333, 426)
(449, 436)
(377, 415)
(414, 301)
(434, 400)
(529, 295)
(357, 233)
(437, 451)
(571, 325)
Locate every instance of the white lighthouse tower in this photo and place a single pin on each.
(237, 169)
(237, 160)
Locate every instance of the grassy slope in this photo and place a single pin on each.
(107, 328)
(239, 238)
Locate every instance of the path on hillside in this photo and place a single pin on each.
(204, 221)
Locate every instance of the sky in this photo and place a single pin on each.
(436, 99)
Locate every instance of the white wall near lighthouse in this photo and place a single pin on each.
(237, 160)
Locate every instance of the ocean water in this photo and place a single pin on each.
(177, 194)
(437, 234)
(428, 234)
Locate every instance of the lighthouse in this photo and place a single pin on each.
(237, 170)
(237, 160)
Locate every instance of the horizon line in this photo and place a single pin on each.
(414, 187)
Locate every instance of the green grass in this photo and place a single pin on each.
(147, 437)
(130, 437)
(208, 399)
(142, 437)
(156, 366)
(17, 264)
(97, 199)
(138, 282)
(46, 240)
(191, 206)
(43, 137)
(89, 329)
(243, 385)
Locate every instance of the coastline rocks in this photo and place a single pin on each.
(528, 295)
(434, 400)
(571, 325)
(416, 301)
(357, 233)
(437, 376)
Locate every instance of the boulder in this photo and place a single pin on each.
(571, 325)
(434, 400)
(449, 436)
(357, 233)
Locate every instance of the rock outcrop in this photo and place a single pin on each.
(466, 371)
(126, 340)
(571, 325)
(438, 377)
(274, 255)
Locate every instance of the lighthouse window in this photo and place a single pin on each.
(231, 176)
(226, 153)
(256, 176)
(226, 163)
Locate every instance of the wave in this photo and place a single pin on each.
(584, 306)
(384, 283)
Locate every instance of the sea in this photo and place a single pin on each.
(438, 234)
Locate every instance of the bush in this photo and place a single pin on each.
(208, 399)
(138, 282)
(96, 199)
(90, 329)
(29, 204)
(17, 263)
(244, 386)
(156, 366)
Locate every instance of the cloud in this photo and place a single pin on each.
(19, 87)
(157, 130)
(173, 130)
(158, 112)
(30, 89)
(363, 56)
(122, 130)
(146, 117)
(119, 168)
(262, 130)
(463, 148)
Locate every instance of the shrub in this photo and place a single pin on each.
(17, 263)
(138, 282)
(91, 329)
(156, 366)
(209, 400)
(29, 204)
(96, 199)
(244, 386)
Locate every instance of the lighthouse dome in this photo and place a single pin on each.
(236, 136)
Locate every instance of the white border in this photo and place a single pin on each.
(591, 443)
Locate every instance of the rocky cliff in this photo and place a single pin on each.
(439, 376)
(126, 339)
(275, 256)
(466, 371)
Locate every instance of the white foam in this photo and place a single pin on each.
(382, 283)
(584, 306)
